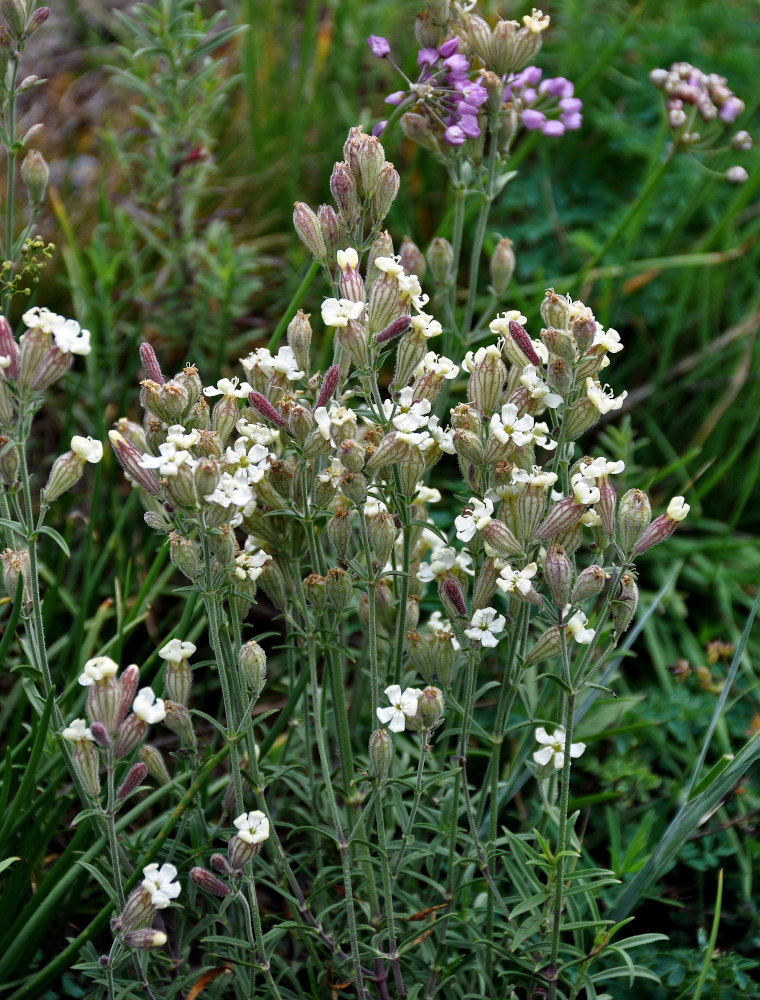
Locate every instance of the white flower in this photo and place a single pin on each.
(255, 433)
(373, 506)
(610, 340)
(389, 265)
(77, 732)
(426, 494)
(5, 361)
(159, 883)
(348, 259)
(251, 564)
(284, 363)
(536, 477)
(517, 581)
(437, 623)
(69, 337)
(472, 360)
(501, 323)
(553, 748)
(410, 287)
(87, 449)
(536, 21)
(441, 561)
(252, 827)
(175, 651)
(507, 427)
(604, 399)
(259, 360)
(169, 461)
(584, 490)
(677, 509)
(576, 626)
(230, 491)
(337, 312)
(403, 706)
(473, 518)
(538, 389)
(176, 434)
(485, 626)
(147, 707)
(590, 519)
(437, 365)
(443, 436)
(409, 415)
(228, 387)
(39, 318)
(97, 669)
(426, 325)
(332, 474)
(601, 467)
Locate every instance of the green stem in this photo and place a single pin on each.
(388, 888)
(256, 936)
(404, 595)
(371, 617)
(480, 228)
(408, 836)
(113, 844)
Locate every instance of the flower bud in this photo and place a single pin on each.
(265, 408)
(190, 381)
(605, 506)
(385, 192)
(220, 864)
(14, 12)
(352, 455)
(309, 231)
(35, 175)
(555, 310)
(150, 363)
(135, 777)
(253, 667)
(338, 589)
(154, 762)
(468, 446)
(299, 339)
(411, 258)
(625, 603)
(440, 258)
(662, 527)
(428, 32)
(16, 564)
(131, 733)
(558, 572)
(380, 754)
(37, 19)
(634, 515)
(178, 720)
(209, 882)
(354, 486)
(144, 939)
(86, 760)
(502, 266)
(478, 38)
(430, 707)
(332, 230)
(343, 189)
(548, 645)
(452, 597)
(559, 342)
(129, 458)
(382, 534)
(365, 157)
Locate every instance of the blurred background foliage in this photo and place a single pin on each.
(179, 139)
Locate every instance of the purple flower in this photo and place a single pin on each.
(457, 65)
(532, 119)
(453, 135)
(557, 86)
(378, 45)
(396, 97)
(554, 127)
(449, 47)
(469, 126)
(472, 93)
(426, 57)
(572, 122)
(570, 105)
(731, 109)
(378, 129)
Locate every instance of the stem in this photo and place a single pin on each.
(388, 888)
(404, 595)
(113, 844)
(563, 809)
(11, 182)
(372, 617)
(408, 838)
(256, 936)
(480, 228)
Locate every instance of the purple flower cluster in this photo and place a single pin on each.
(535, 100)
(684, 84)
(443, 91)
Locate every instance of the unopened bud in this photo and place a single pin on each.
(35, 175)
(145, 939)
(309, 231)
(625, 603)
(37, 19)
(555, 310)
(150, 363)
(154, 762)
(559, 342)
(380, 754)
(547, 646)
(220, 864)
(558, 572)
(86, 760)
(129, 458)
(184, 554)
(416, 128)
(502, 266)
(440, 258)
(332, 234)
(100, 735)
(328, 387)
(590, 582)
(265, 408)
(559, 376)
(343, 189)
(14, 12)
(205, 880)
(452, 597)
(253, 666)
(411, 258)
(382, 534)
(299, 339)
(634, 515)
(135, 777)
(430, 707)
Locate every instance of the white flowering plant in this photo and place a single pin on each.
(395, 501)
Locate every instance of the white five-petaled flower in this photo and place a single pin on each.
(608, 340)
(517, 580)
(176, 434)
(584, 490)
(409, 416)
(231, 490)
(473, 359)
(603, 398)
(553, 748)
(97, 669)
(427, 494)
(169, 461)
(537, 388)
(87, 448)
(228, 387)
(677, 509)
(576, 626)
(251, 565)
(159, 882)
(77, 732)
(486, 624)
(536, 477)
(252, 827)
(501, 323)
(437, 365)
(337, 312)
(601, 467)
(39, 318)
(425, 324)
(441, 561)
(147, 707)
(536, 21)
(175, 651)
(507, 426)
(474, 518)
(443, 436)
(402, 707)
(389, 265)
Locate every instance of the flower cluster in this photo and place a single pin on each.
(547, 105)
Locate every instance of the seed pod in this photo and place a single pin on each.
(558, 572)
(129, 458)
(563, 516)
(299, 339)
(502, 266)
(500, 538)
(339, 531)
(309, 231)
(314, 589)
(430, 707)
(559, 376)
(590, 582)
(440, 258)
(154, 762)
(338, 589)
(634, 515)
(184, 554)
(86, 760)
(555, 310)
(388, 182)
(179, 721)
(253, 667)
(547, 646)
(579, 417)
(343, 189)
(625, 603)
(559, 342)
